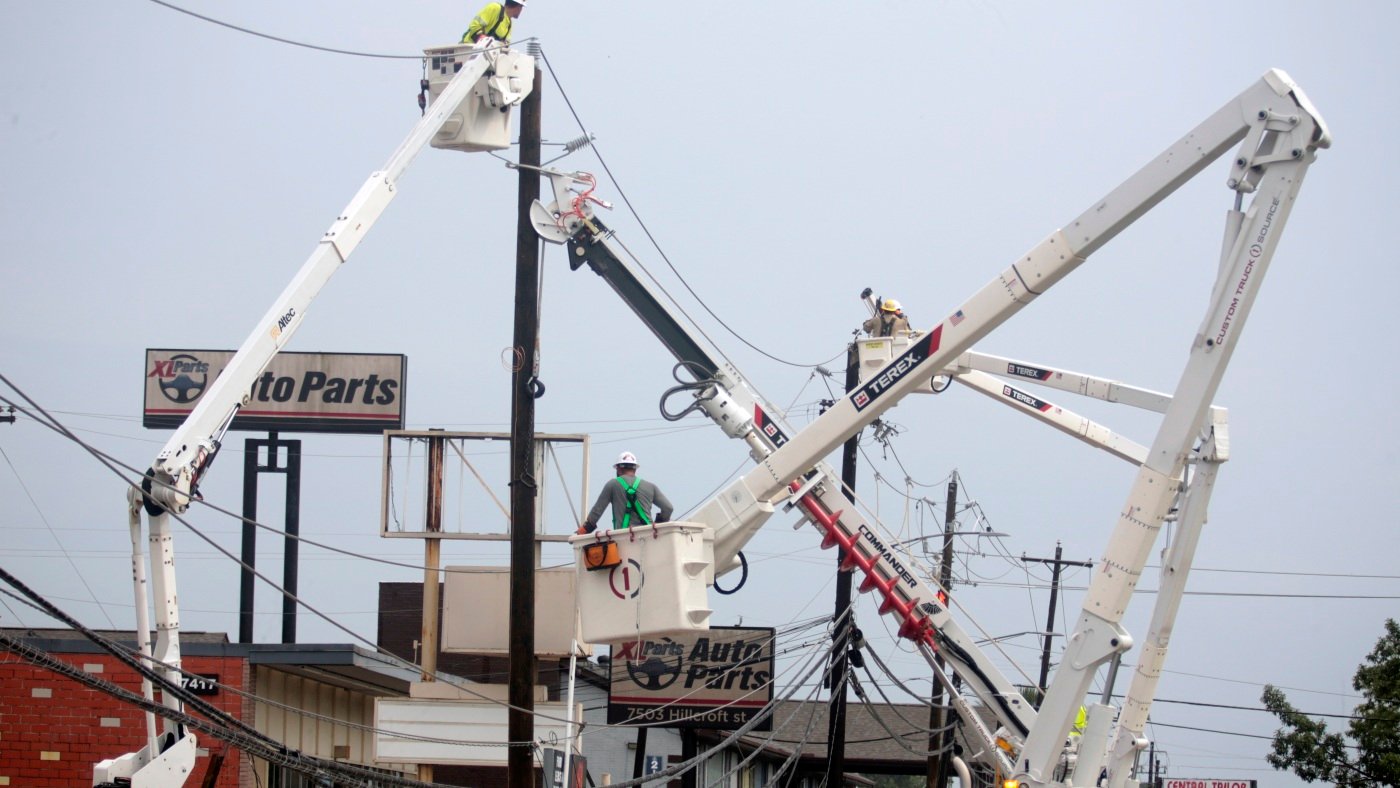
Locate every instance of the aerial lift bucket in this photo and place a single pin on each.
(645, 581)
(876, 353)
(482, 121)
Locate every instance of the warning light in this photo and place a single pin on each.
(1010, 784)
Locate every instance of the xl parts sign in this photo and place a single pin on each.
(715, 679)
(298, 392)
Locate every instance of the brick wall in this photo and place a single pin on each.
(54, 730)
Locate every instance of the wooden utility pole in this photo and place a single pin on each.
(432, 559)
(520, 771)
(1055, 564)
(836, 724)
(940, 723)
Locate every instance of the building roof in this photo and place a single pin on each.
(342, 664)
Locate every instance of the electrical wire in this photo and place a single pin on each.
(281, 40)
(218, 723)
(115, 466)
(45, 520)
(655, 244)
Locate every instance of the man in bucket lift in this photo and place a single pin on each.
(494, 21)
(886, 322)
(631, 499)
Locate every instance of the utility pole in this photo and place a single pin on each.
(520, 726)
(836, 725)
(940, 739)
(1055, 564)
(432, 558)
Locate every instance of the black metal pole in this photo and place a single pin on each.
(836, 726)
(293, 541)
(246, 587)
(689, 747)
(520, 771)
(640, 760)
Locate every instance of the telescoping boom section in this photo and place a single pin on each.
(1275, 133)
(472, 89)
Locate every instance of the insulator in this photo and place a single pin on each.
(581, 141)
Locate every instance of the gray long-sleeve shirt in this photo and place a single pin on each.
(613, 495)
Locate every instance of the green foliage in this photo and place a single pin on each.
(1369, 754)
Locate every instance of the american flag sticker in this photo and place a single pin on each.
(956, 318)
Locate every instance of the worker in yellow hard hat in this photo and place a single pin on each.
(493, 21)
(887, 320)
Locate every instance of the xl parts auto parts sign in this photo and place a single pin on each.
(715, 679)
(298, 392)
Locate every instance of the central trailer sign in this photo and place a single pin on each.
(719, 678)
(1205, 782)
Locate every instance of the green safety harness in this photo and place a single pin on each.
(632, 506)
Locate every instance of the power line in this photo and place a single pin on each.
(657, 246)
(279, 39)
(54, 534)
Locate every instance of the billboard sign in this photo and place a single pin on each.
(719, 679)
(459, 732)
(298, 392)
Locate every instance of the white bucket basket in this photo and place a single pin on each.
(482, 121)
(653, 581)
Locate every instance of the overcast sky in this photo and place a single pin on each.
(166, 176)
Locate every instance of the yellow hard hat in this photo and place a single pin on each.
(890, 305)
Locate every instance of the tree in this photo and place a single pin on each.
(1305, 746)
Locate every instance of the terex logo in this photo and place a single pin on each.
(1027, 372)
(1025, 399)
(898, 369)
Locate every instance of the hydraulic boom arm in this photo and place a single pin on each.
(1278, 133)
(173, 479)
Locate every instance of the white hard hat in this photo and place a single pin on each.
(626, 458)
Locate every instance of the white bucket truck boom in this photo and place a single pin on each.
(472, 89)
(1277, 133)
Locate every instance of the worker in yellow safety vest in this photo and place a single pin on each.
(493, 21)
(631, 499)
(1079, 721)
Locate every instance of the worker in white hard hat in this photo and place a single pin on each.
(493, 21)
(631, 499)
(888, 320)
